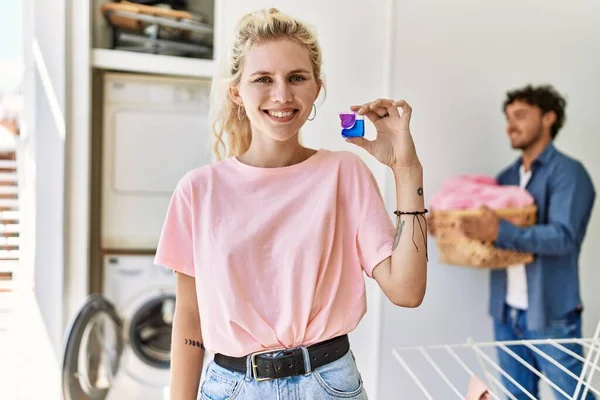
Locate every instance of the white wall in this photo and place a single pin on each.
(453, 61)
(48, 105)
(353, 71)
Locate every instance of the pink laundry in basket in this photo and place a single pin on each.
(474, 191)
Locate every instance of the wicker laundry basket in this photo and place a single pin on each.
(454, 248)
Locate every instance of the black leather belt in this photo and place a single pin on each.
(290, 362)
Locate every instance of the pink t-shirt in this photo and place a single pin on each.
(278, 253)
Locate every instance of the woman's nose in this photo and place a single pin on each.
(281, 93)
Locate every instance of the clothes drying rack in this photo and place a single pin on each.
(454, 368)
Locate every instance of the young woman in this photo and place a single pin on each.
(271, 244)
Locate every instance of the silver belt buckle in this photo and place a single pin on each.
(255, 367)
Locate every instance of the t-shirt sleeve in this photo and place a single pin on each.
(175, 248)
(375, 233)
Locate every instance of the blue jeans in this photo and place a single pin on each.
(514, 327)
(337, 380)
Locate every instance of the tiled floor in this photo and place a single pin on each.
(29, 369)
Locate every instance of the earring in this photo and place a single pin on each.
(239, 115)
(315, 109)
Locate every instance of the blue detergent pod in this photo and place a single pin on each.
(353, 125)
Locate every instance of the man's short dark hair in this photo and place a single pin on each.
(545, 97)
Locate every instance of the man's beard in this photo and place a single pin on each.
(531, 142)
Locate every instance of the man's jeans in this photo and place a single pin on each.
(514, 327)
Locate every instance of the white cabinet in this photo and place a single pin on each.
(118, 60)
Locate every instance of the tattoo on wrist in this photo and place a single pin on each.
(420, 191)
(194, 343)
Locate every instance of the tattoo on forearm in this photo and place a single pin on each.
(399, 227)
(420, 191)
(194, 343)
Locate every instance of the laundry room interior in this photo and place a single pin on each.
(115, 108)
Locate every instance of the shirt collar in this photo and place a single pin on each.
(544, 157)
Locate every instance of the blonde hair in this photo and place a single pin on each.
(226, 116)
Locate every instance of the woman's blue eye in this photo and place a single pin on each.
(297, 78)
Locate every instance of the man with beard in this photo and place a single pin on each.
(541, 299)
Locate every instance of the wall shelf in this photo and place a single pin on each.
(120, 60)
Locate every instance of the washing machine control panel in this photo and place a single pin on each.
(131, 278)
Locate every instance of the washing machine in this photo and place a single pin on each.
(118, 345)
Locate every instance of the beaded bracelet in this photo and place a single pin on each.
(399, 213)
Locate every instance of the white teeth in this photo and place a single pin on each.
(280, 114)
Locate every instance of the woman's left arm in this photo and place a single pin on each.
(403, 276)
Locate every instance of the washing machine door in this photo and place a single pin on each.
(150, 330)
(93, 351)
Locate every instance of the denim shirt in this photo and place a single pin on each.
(564, 195)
